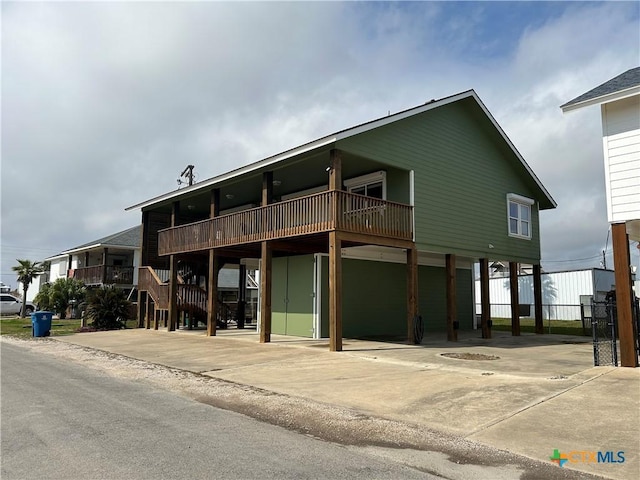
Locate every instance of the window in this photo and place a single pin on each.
(519, 215)
(372, 185)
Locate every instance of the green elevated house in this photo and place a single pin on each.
(356, 234)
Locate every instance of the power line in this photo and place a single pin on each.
(573, 260)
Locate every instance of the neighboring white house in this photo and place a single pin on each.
(562, 292)
(619, 100)
(111, 260)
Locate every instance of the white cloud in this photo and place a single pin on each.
(104, 104)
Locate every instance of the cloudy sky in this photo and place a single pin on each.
(104, 104)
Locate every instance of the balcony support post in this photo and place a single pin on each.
(147, 317)
(452, 313)
(412, 293)
(104, 265)
(266, 272)
(141, 308)
(212, 274)
(335, 183)
(335, 292)
(537, 298)
(624, 295)
(265, 292)
(515, 307)
(485, 308)
(212, 293)
(173, 276)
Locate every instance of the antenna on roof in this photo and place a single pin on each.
(188, 174)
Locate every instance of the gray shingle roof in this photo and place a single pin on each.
(132, 237)
(624, 81)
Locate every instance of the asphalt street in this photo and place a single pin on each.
(60, 420)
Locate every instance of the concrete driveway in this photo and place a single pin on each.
(529, 395)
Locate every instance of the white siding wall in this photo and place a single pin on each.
(621, 145)
(58, 269)
(561, 290)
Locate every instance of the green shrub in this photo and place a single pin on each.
(57, 296)
(43, 298)
(108, 308)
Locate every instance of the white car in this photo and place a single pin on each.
(10, 305)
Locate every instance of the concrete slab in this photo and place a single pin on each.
(529, 394)
(600, 415)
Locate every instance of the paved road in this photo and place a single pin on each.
(62, 420)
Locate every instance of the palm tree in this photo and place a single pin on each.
(27, 271)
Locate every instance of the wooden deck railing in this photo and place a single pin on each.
(320, 212)
(108, 274)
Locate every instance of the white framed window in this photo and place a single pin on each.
(371, 185)
(519, 215)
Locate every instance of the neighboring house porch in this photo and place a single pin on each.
(111, 260)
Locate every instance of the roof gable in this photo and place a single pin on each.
(344, 134)
(625, 84)
(129, 238)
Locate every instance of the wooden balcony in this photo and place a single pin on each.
(104, 274)
(317, 213)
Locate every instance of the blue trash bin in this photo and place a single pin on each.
(41, 322)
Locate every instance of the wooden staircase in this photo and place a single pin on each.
(191, 299)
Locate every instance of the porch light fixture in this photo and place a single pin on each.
(229, 196)
(277, 183)
(328, 169)
(191, 207)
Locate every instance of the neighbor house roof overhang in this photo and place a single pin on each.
(625, 85)
(129, 239)
(328, 140)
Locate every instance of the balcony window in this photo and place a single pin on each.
(373, 185)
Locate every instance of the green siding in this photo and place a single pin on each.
(463, 172)
(292, 296)
(279, 282)
(432, 298)
(375, 299)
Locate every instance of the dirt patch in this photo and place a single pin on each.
(470, 356)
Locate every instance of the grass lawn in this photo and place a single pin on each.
(21, 327)
(559, 327)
